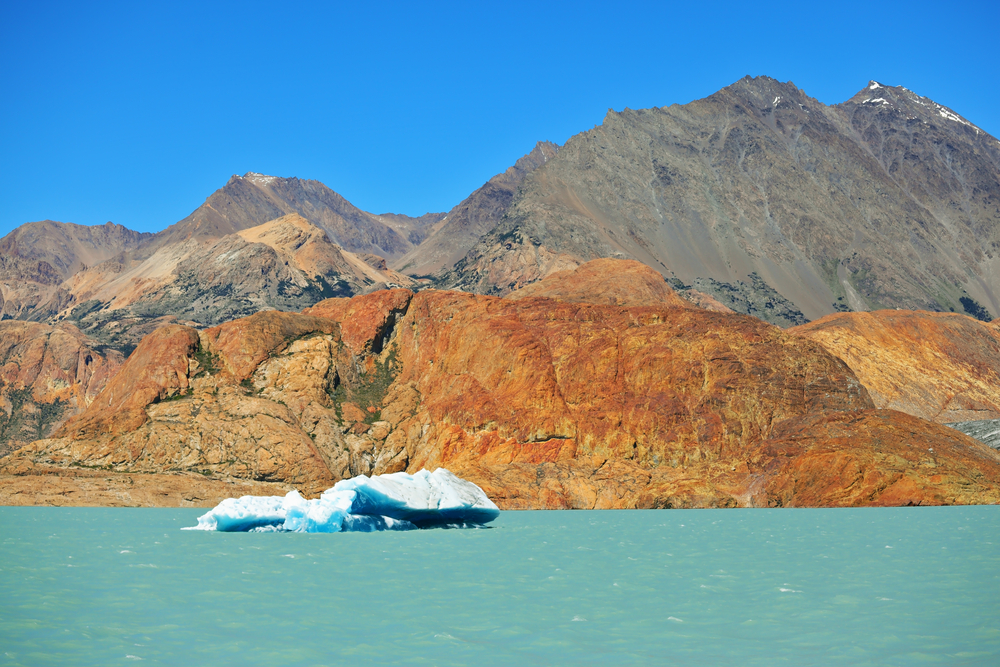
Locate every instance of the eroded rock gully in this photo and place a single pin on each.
(544, 402)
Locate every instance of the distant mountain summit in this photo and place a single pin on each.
(260, 242)
(772, 202)
(914, 106)
(253, 199)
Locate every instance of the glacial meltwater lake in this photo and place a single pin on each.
(89, 586)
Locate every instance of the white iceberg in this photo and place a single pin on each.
(397, 501)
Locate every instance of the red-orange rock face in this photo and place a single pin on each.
(874, 457)
(657, 386)
(543, 402)
(244, 343)
(157, 369)
(939, 366)
(47, 374)
(365, 321)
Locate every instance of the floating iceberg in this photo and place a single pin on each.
(397, 501)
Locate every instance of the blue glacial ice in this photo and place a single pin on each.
(397, 501)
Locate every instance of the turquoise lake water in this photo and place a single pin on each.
(86, 586)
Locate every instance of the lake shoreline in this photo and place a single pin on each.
(86, 487)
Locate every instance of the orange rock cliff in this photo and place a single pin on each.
(574, 392)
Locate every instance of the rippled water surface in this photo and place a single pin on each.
(88, 586)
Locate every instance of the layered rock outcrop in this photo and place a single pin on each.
(943, 367)
(543, 402)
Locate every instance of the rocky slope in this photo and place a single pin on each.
(458, 231)
(609, 282)
(287, 263)
(83, 487)
(939, 366)
(253, 199)
(771, 202)
(542, 401)
(259, 242)
(37, 257)
(47, 375)
(986, 431)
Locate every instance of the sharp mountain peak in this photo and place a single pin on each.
(913, 105)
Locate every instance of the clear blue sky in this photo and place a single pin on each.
(135, 112)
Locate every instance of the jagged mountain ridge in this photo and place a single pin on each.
(832, 208)
(762, 198)
(206, 268)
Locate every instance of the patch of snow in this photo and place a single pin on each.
(259, 179)
(877, 100)
(776, 100)
(950, 115)
(874, 85)
(396, 501)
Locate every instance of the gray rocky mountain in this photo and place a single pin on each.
(457, 232)
(770, 201)
(258, 243)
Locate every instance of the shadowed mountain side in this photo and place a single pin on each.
(415, 230)
(47, 374)
(457, 232)
(767, 199)
(36, 257)
(940, 366)
(542, 401)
